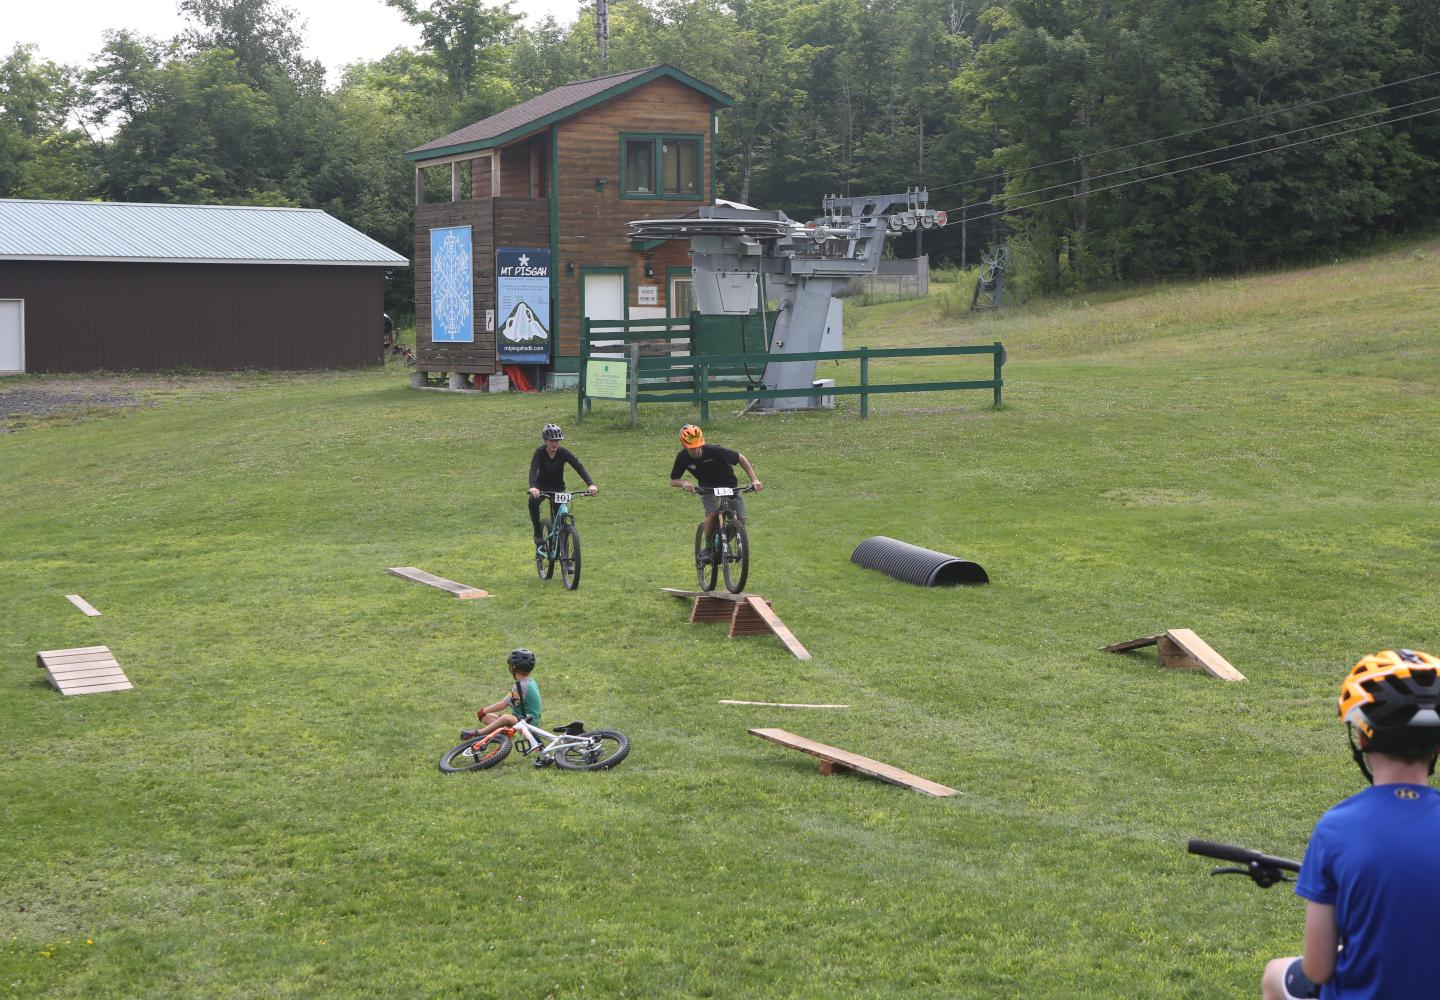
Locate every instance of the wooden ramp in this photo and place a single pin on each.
(87, 670)
(83, 605)
(833, 760)
(1180, 647)
(460, 590)
(748, 614)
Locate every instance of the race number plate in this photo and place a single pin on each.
(724, 491)
(562, 497)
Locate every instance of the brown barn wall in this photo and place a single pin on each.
(591, 223)
(89, 315)
(494, 222)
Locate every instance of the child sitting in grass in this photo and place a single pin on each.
(521, 702)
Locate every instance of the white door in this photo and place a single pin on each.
(605, 296)
(12, 335)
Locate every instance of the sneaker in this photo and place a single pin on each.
(469, 734)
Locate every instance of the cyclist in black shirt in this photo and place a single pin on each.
(711, 465)
(547, 473)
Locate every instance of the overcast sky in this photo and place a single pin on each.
(336, 31)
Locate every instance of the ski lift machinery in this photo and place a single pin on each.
(741, 257)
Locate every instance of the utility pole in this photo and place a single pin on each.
(602, 29)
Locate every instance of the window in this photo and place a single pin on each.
(661, 166)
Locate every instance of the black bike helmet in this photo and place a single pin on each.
(1393, 697)
(520, 659)
(552, 433)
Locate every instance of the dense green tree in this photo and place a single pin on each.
(44, 153)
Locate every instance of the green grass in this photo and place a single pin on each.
(262, 816)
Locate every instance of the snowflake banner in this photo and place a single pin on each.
(452, 292)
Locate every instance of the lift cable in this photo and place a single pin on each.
(1193, 131)
(1205, 152)
(1186, 170)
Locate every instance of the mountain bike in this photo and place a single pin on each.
(570, 747)
(1263, 869)
(728, 549)
(559, 541)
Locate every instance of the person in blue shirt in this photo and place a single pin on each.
(1371, 874)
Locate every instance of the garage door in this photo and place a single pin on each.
(12, 335)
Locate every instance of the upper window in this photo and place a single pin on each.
(660, 166)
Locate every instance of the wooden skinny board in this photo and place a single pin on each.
(855, 762)
(1182, 648)
(83, 605)
(460, 590)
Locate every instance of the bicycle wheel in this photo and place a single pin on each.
(472, 756)
(606, 749)
(736, 557)
(569, 556)
(544, 565)
(704, 566)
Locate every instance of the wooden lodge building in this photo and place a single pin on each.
(532, 234)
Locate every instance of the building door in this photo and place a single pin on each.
(602, 295)
(12, 335)
(681, 297)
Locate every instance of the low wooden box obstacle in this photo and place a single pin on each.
(835, 761)
(1180, 647)
(86, 670)
(748, 614)
(460, 590)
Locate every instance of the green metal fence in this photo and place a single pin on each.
(637, 377)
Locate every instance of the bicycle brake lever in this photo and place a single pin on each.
(1229, 871)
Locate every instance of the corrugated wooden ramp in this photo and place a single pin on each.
(460, 590)
(748, 614)
(1180, 647)
(833, 759)
(86, 670)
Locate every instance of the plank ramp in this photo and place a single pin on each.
(1182, 648)
(834, 760)
(83, 605)
(84, 670)
(776, 704)
(460, 590)
(748, 614)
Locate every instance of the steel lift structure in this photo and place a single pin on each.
(743, 257)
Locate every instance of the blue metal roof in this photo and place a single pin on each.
(207, 234)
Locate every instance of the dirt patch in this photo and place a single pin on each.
(30, 401)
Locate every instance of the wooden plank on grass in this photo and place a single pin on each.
(83, 605)
(767, 614)
(1120, 647)
(833, 756)
(777, 704)
(460, 590)
(84, 670)
(1199, 651)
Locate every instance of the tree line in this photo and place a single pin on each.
(1104, 140)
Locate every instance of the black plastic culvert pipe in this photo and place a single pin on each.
(914, 564)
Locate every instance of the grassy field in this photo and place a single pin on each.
(1255, 459)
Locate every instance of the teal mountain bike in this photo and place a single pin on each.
(727, 551)
(559, 541)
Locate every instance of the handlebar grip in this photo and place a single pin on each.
(1243, 855)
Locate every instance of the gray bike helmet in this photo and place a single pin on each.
(552, 433)
(520, 659)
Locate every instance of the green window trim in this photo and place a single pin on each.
(657, 162)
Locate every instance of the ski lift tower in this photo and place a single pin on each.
(742, 257)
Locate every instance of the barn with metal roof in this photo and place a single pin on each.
(117, 286)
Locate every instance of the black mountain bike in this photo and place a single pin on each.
(728, 549)
(1262, 869)
(559, 541)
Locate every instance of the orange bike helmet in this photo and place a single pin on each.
(1393, 697)
(691, 436)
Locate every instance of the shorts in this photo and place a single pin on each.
(1297, 985)
(712, 503)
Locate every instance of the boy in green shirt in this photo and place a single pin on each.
(521, 702)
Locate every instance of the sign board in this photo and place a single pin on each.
(649, 295)
(607, 378)
(452, 286)
(489, 320)
(522, 299)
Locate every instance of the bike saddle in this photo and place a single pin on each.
(572, 729)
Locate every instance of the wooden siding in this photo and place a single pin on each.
(118, 316)
(591, 223)
(493, 222)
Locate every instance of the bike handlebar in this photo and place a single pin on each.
(552, 494)
(709, 490)
(1242, 855)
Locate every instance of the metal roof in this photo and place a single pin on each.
(192, 234)
(551, 106)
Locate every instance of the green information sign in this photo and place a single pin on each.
(607, 378)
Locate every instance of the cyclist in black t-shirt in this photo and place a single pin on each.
(547, 473)
(711, 465)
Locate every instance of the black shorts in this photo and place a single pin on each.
(1297, 985)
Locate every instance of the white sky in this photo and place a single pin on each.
(336, 31)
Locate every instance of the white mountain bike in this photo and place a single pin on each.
(570, 747)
